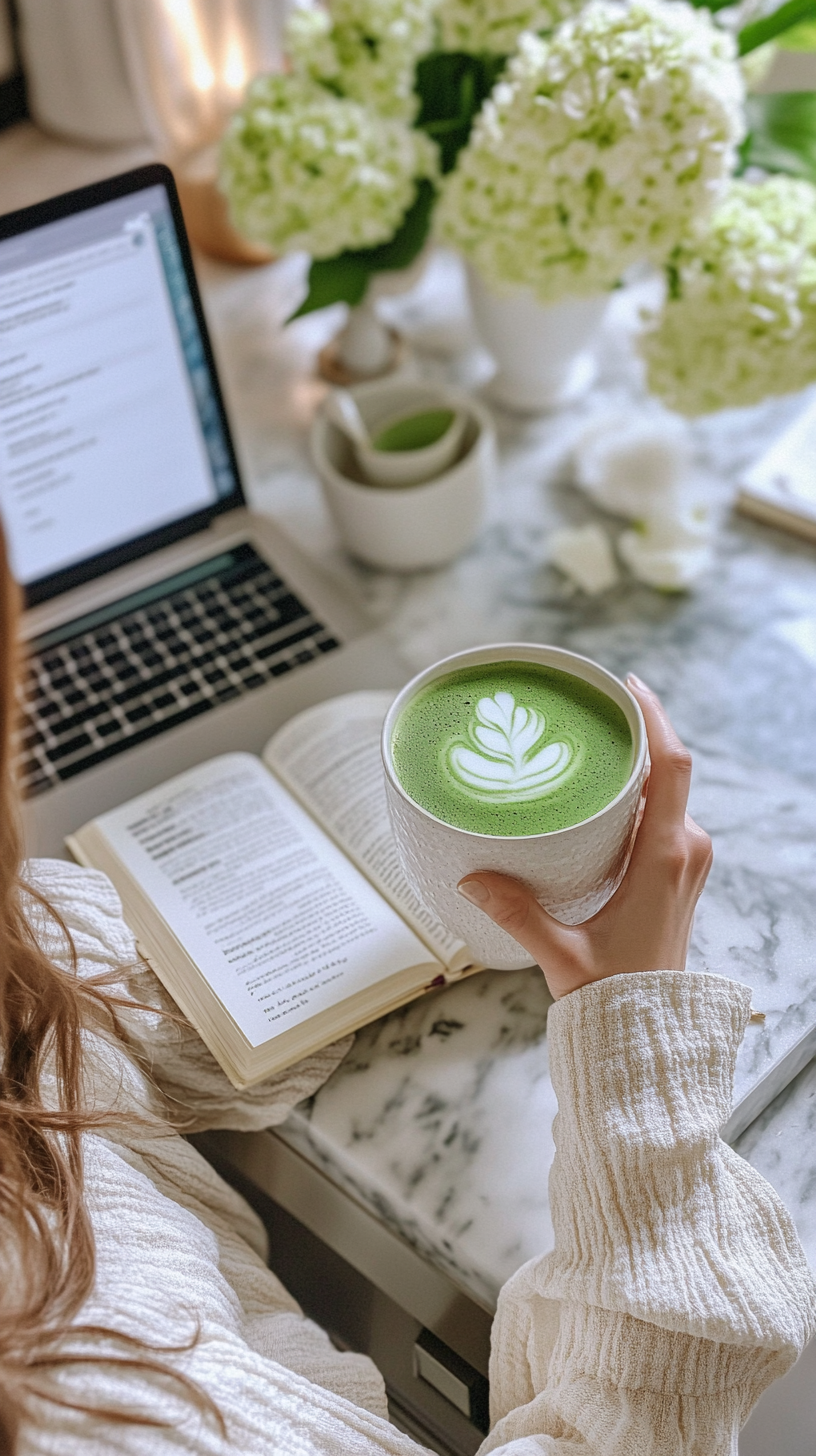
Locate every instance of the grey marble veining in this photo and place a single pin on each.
(440, 1117)
(756, 921)
(440, 1121)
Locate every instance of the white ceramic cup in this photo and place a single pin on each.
(572, 872)
(416, 526)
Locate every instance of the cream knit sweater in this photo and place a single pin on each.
(676, 1292)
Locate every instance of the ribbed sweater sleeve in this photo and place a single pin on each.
(677, 1289)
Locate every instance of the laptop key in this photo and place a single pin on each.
(225, 635)
(73, 745)
(90, 712)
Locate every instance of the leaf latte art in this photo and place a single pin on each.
(505, 759)
(511, 747)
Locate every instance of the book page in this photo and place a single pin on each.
(329, 756)
(281, 925)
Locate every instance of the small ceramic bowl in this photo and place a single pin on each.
(399, 468)
(415, 526)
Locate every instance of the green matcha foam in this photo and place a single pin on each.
(512, 748)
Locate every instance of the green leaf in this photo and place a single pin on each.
(759, 32)
(801, 38)
(452, 87)
(409, 239)
(712, 5)
(345, 278)
(782, 133)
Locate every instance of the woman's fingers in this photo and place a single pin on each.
(669, 840)
(670, 776)
(646, 924)
(701, 852)
(515, 909)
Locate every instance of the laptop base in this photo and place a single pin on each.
(368, 662)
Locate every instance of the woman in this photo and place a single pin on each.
(136, 1311)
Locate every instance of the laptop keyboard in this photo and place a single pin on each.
(123, 674)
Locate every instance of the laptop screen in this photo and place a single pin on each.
(112, 430)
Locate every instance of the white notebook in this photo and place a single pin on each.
(781, 487)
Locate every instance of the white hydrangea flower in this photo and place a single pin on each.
(634, 464)
(479, 26)
(305, 170)
(584, 554)
(597, 148)
(365, 50)
(741, 324)
(669, 553)
(640, 465)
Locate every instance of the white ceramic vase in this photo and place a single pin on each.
(543, 353)
(366, 347)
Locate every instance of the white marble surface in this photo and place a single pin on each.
(440, 1118)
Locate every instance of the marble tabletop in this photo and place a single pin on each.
(439, 1119)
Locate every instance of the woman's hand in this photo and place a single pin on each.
(646, 925)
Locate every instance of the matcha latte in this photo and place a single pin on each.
(512, 748)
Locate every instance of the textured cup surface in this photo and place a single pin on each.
(572, 872)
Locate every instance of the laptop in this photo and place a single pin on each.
(165, 621)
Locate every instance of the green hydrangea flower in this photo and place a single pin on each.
(365, 50)
(740, 322)
(302, 169)
(597, 148)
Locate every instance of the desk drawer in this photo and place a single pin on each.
(427, 1354)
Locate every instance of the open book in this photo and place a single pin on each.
(268, 897)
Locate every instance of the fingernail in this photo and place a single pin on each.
(637, 682)
(474, 891)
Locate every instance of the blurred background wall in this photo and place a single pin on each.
(164, 71)
(12, 86)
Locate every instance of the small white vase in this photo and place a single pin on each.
(366, 347)
(543, 353)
